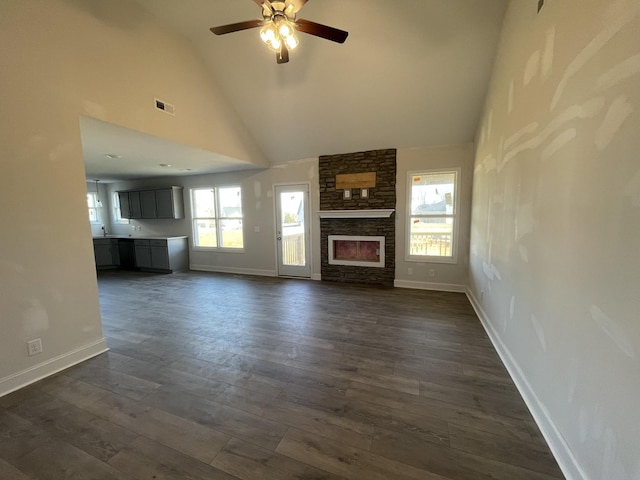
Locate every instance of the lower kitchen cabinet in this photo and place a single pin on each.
(162, 255)
(106, 252)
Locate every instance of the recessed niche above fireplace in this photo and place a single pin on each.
(360, 251)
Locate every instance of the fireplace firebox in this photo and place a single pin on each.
(362, 251)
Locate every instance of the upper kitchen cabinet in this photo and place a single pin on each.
(152, 203)
(130, 204)
(169, 202)
(148, 203)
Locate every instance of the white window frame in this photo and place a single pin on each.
(97, 221)
(117, 212)
(455, 215)
(217, 219)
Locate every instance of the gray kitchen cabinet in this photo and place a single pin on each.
(148, 203)
(143, 253)
(160, 255)
(165, 255)
(125, 211)
(169, 202)
(135, 206)
(106, 252)
(164, 203)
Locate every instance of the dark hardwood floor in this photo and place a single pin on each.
(214, 376)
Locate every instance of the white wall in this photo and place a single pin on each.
(447, 276)
(59, 60)
(555, 266)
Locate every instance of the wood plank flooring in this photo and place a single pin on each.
(216, 376)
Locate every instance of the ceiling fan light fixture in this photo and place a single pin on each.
(275, 44)
(292, 41)
(268, 33)
(279, 24)
(284, 29)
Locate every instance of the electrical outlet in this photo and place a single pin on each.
(34, 347)
(432, 272)
(409, 271)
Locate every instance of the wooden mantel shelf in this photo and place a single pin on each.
(377, 213)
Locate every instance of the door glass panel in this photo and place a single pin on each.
(292, 228)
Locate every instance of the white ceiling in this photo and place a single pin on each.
(412, 73)
(139, 155)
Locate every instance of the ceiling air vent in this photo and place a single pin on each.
(165, 107)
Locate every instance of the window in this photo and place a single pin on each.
(92, 203)
(117, 213)
(217, 217)
(432, 222)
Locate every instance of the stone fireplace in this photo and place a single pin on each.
(363, 226)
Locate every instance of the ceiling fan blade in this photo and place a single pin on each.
(236, 27)
(322, 31)
(283, 55)
(293, 6)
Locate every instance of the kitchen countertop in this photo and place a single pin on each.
(137, 237)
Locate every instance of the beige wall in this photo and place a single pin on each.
(446, 276)
(554, 267)
(59, 60)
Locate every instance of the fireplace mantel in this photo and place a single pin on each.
(377, 213)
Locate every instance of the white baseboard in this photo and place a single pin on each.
(45, 369)
(239, 271)
(567, 461)
(441, 287)
(316, 276)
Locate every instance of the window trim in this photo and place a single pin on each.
(453, 259)
(98, 220)
(216, 219)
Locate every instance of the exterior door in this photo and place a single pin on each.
(293, 225)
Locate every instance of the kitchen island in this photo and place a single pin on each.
(150, 254)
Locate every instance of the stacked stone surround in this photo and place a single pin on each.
(382, 196)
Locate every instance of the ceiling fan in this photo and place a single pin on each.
(279, 24)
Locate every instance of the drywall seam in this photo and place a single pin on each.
(531, 69)
(587, 110)
(239, 271)
(587, 54)
(613, 330)
(561, 451)
(513, 139)
(557, 143)
(619, 73)
(440, 287)
(546, 62)
(615, 117)
(52, 366)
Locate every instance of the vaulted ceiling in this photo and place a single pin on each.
(412, 73)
